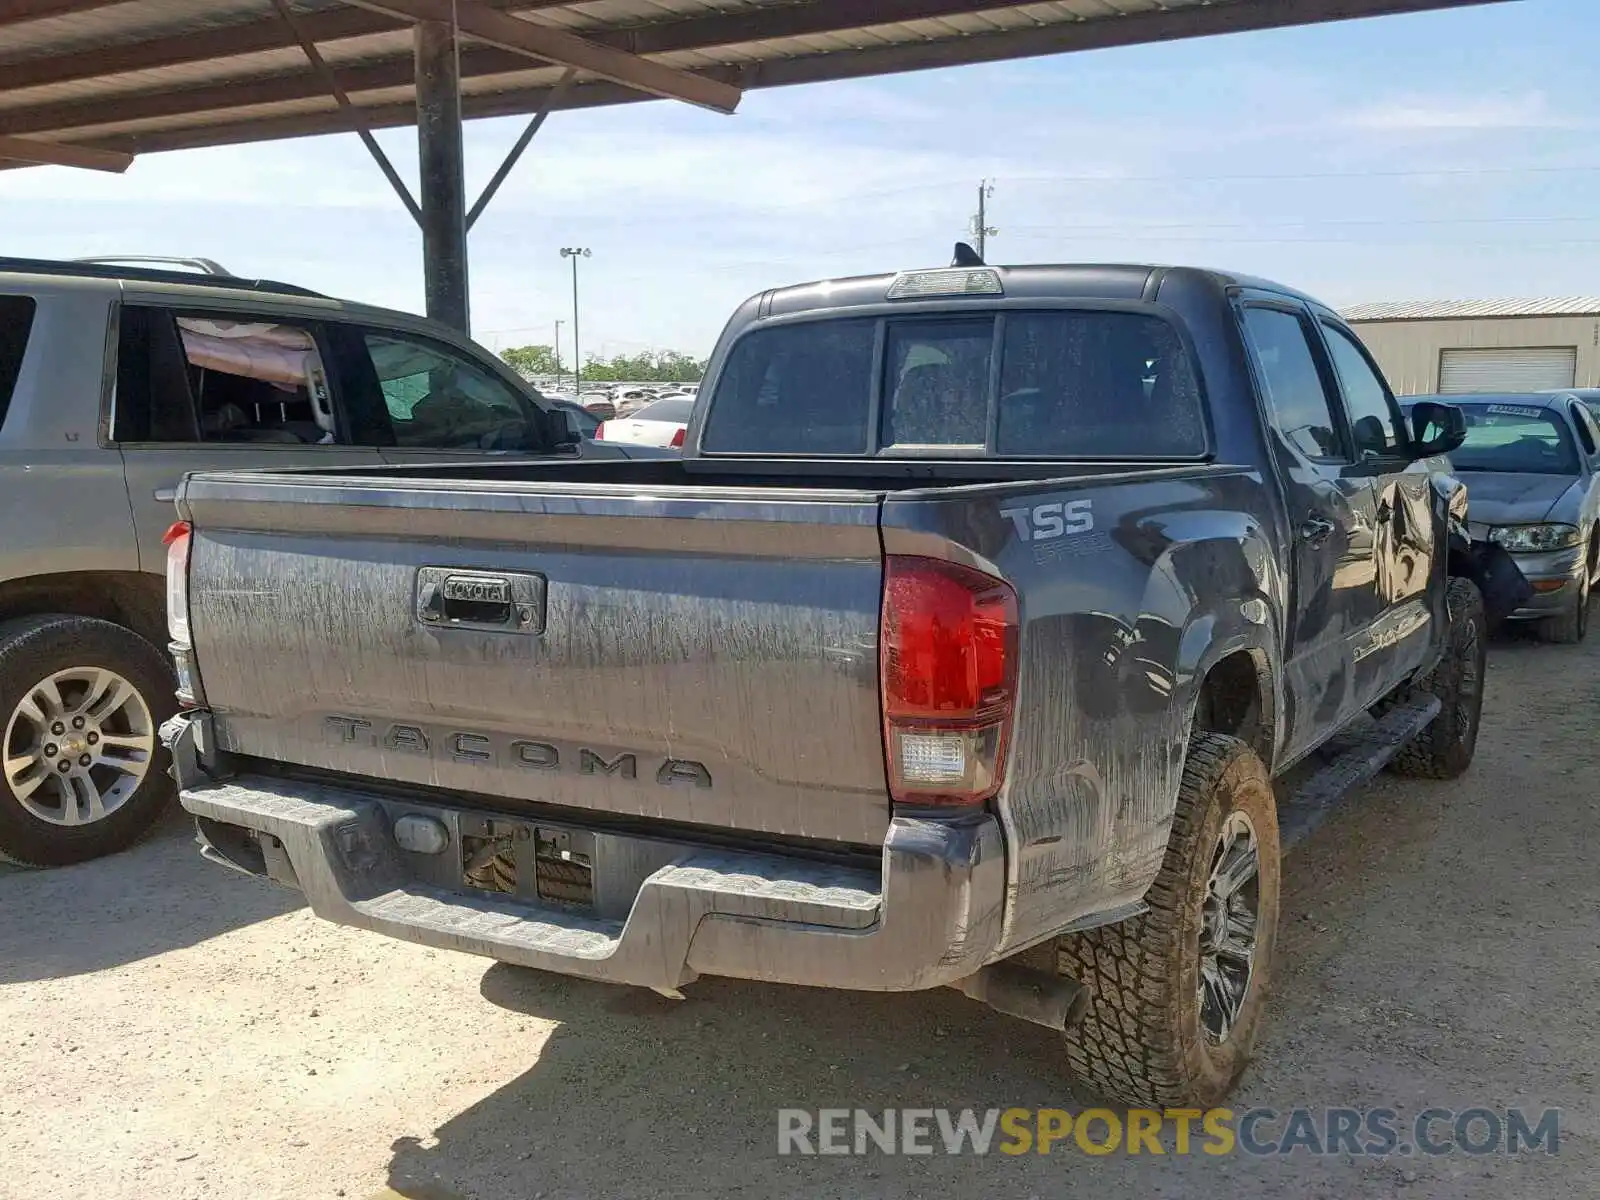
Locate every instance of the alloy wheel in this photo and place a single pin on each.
(1229, 918)
(78, 745)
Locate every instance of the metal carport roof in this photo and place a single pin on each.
(91, 83)
(134, 76)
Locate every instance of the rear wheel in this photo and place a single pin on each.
(1177, 995)
(82, 771)
(1445, 748)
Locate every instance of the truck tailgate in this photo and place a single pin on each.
(691, 656)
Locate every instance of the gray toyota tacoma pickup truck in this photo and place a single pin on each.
(114, 381)
(961, 647)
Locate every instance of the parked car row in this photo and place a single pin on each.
(606, 403)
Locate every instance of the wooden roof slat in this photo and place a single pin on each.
(15, 12)
(775, 44)
(53, 154)
(500, 29)
(659, 37)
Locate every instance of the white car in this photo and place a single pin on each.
(662, 423)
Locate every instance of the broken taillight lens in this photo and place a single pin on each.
(948, 663)
(176, 540)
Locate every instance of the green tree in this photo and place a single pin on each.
(651, 366)
(531, 360)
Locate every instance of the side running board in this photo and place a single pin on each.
(1359, 759)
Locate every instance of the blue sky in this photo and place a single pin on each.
(1437, 155)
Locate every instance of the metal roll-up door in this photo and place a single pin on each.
(1505, 369)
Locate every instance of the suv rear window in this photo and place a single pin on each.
(1069, 384)
(16, 319)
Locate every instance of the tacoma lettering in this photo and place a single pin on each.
(465, 747)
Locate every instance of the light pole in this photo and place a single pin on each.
(575, 253)
(559, 324)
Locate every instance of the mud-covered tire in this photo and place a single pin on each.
(1142, 1041)
(1570, 627)
(33, 649)
(1445, 748)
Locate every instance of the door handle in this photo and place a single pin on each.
(1316, 530)
(498, 602)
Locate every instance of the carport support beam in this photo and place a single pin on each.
(440, 160)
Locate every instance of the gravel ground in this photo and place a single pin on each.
(170, 1029)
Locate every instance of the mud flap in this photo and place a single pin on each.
(1505, 588)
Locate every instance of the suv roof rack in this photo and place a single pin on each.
(103, 269)
(206, 266)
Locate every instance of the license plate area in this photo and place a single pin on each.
(508, 857)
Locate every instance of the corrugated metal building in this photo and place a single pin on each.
(1483, 345)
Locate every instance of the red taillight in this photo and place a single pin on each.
(948, 660)
(677, 438)
(600, 432)
(176, 539)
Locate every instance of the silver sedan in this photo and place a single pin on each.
(1531, 464)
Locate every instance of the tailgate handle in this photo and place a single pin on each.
(510, 602)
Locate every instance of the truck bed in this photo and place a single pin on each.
(705, 653)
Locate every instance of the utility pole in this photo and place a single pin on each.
(575, 253)
(982, 231)
(559, 324)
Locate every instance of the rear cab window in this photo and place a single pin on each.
(16, 321)
(1014, 383)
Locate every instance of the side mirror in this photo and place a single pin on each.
(551, 430)
(1436, 428)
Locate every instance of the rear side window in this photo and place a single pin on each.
(193, 378)
(1097, 385)
(799, 389)
(1068, 384)
(16, 319)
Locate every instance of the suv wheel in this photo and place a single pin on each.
(82, 770)
(1176, 995)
